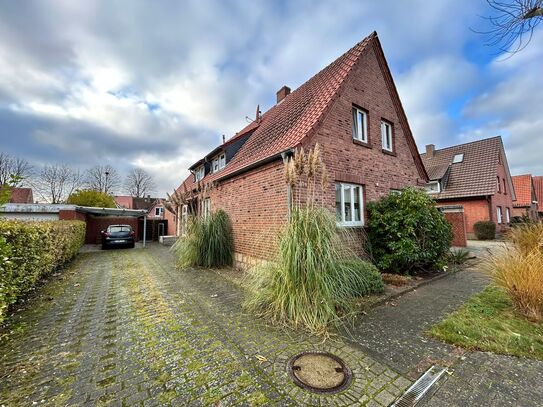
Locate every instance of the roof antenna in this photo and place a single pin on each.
(223, 139)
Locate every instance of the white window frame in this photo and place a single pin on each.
(200, 173)
(507, 215)
(206, 207)
(218, 163)
(433, 183)
(360, 133)
(386, 136)
(160, 211)
(184, 219)
(499, 214)
(352, 223)
(458, 158)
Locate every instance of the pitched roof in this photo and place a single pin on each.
(538, 185)
(524, 189)
(21, 195)
(285, 125)
(475, 175)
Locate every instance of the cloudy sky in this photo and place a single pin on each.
(155, 84)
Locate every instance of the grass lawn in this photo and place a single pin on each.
(488, 322)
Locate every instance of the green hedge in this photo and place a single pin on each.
(485, 230)
(32, 250)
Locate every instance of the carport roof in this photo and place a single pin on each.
(111, 211)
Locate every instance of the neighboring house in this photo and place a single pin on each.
(475, 176)
(526, 204)
(538, 185)
(21, 195)
(156, 211)
(352, 110)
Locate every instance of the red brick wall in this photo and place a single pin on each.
(474, 210)
(71, 215)
(257, 205)
(502, 199)
(458, 223)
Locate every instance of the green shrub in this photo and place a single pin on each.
(407, 233)
(310, 282)
(30, 251)
(208, 243)
(485, 230)
(89, 197)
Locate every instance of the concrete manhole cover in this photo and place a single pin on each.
(320, 372)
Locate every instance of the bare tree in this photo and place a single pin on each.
(56, 182)
(103, 178)
(139, 183)
(14, 168)
(513, 24)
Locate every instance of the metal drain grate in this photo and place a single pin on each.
(418, 389)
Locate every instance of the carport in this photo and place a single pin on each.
(98, 219)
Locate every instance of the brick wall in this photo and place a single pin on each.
(458, 222)
(502, 199)
(475, 209)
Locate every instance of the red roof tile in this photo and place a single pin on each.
(524, 189)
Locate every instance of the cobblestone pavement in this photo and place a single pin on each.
(394, 334)
(125, 328)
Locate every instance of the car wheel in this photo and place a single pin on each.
(104, 247)
(132, 245)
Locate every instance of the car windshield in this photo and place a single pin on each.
(122, 228)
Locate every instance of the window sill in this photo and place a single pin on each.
(392, 153)
(350, 225)
(361, 143)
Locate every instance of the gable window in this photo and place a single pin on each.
(507, 215)
(360, 125)
(386, 135)
(498, 183)
(159, 211)
(349, 204)
(499, 213)
(433, 187)
(218, 162)
(200, 173)
(458, 158)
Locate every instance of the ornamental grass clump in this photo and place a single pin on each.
(519, 270)
(208, 242)
(310, 283)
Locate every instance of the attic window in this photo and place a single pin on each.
(219, 162)
(200, 173)
(458, 158)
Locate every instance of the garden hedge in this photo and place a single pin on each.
(30, 251)
(485, 230)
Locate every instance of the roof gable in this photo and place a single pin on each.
(475, 175)
(524, 189)
(21, 195)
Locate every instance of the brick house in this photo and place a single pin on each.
(526, 204)
(157, 213)
(538, 185)
(475, 176)
(21, 195)
(352, 110)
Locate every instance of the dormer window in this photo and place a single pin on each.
(433, 187)
(458, 158)
(218, 163)
(200, 173)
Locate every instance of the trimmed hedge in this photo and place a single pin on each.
(30, 251)
(485, 230)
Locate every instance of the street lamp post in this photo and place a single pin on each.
(105, 185)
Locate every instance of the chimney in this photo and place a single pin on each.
(282, 93)
(430, 149)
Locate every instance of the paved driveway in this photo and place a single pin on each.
(124, 327)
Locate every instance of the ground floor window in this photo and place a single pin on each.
(206, 207)
(349, 204)
(507, 215)
(499, 213)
